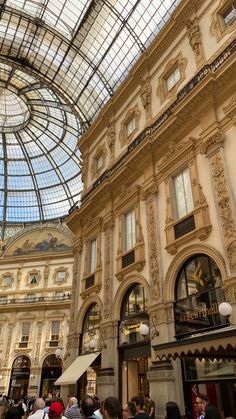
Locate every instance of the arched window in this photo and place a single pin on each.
(52, 361)
(198, 294)
(91, 326)
(133, 313)
(21, 362)
(198, 274)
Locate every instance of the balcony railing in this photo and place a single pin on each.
(33, 300)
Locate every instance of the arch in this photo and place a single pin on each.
(181, 257)
(57, 362)
(24, 358)
(83, 309)
(120, 293)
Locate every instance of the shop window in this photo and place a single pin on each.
(133, 314)
(198, 293)
(183, 197)
(91, 326)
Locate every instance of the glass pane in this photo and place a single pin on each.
(130, 230)
(93, 256)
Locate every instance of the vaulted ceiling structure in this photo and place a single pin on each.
(60, 62)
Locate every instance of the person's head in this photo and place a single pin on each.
(96, 402)
(138, 402)
(146, 398)
(211, 412)
(129, 410)
(39, 404)
(87, 406)
(73, 401)
(112, 408)
(201, 403)
(55, 410)
(172, 411)
(17, 401)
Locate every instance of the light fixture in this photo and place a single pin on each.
(225, 309)
(143, 329)
(58, 353)
(92, 343)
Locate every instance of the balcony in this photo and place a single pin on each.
(33, 300)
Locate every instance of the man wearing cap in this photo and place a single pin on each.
(38, 412)
(56, 411)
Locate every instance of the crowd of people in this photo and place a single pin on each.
(90, 408)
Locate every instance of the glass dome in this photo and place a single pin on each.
(39, 160)
(61, 61)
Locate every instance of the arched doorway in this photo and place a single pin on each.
(90, 333)
(51, 371)
(208, 369)
(19, 381)
(134, 348)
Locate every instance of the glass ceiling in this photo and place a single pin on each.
(60, 58)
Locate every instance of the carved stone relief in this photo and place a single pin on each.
(225, 208)
(154, 263)
(107, 279)
(145, 93)
(111, 136)
(194, 36)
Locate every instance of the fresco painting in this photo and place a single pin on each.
(40, 241)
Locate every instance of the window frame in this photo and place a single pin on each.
(176, 207)
(132, 235)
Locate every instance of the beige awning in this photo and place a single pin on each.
(220, 342)
(76, 369)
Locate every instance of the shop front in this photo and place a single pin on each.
(19, 380)
(205, 340)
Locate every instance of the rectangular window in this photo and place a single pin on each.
(59, 295)
(183, 194)
(92, 256)
(230, 14)
(129, 236)
(130, 126)
(3, 299)
(173, 78)
(6, 281)
(61, 276)
(55, 327)
(25, 331)
(99, 161)
(33, 278)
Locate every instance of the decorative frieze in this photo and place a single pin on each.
(211, 144)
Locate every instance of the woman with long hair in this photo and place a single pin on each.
(172, 411)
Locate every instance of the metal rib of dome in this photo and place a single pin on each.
(60, 58)
(84, 48)
(39, 161)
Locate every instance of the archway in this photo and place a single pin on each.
(19, 381)
(51, 371)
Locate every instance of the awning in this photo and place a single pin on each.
(76, 369)
(221, 342)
